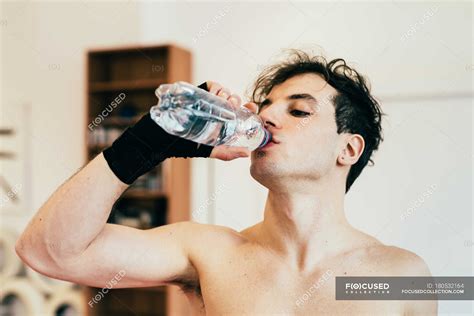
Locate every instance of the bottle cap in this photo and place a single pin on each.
(266, 138)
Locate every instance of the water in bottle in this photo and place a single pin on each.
(195, 114)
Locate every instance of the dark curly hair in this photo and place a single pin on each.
(357, 111)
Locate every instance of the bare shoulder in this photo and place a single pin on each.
(402, 262)
(397, 261)
(206, 240)
(369, 256)
(197, 233)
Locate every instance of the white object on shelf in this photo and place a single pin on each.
(71, 303)
(46, 284)
(10, 264)
(19, 297)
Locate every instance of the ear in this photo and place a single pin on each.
(354, 147)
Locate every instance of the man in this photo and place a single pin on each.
(325, 126)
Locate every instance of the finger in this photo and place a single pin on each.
(241, 151)
(232, 98)
(224, 154)
(219, 90)
(235, 100)
(253, 107)
(214, 87)
(224, 93)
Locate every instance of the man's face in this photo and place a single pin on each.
(300, 115)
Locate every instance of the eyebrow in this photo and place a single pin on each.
(297, 96)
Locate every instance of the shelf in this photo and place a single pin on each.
(129, 85)
(6, 131)
(120, 121)
(160, 289)
(130, 49)
(96, 148)
(144, 194)
(7, 155)
(138, 71)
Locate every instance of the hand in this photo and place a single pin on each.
(225, 152)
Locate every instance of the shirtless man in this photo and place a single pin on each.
(325, 126)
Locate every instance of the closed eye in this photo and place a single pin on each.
(299, 113)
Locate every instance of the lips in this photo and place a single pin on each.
(271, 143)
(274, 139)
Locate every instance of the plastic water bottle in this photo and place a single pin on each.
(195, 114)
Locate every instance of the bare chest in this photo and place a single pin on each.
(242, 285)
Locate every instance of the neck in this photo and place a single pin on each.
(304, 226)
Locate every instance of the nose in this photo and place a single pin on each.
(269, 118)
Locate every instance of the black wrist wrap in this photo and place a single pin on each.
(143, 146)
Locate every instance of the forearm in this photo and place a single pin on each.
(74, 214)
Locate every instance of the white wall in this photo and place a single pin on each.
(418, 194)
(43, 65)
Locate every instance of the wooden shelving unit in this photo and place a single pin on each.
(121, 84)
(144, 84)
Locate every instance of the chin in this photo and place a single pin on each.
(264, 169)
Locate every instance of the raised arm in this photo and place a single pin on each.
(69, 238)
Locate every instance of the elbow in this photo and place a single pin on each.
(34, 256)
(39, 261)
(26, 246)
(24, 252)
(20, 249)
(42, 254)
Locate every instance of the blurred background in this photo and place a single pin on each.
(63, 63)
